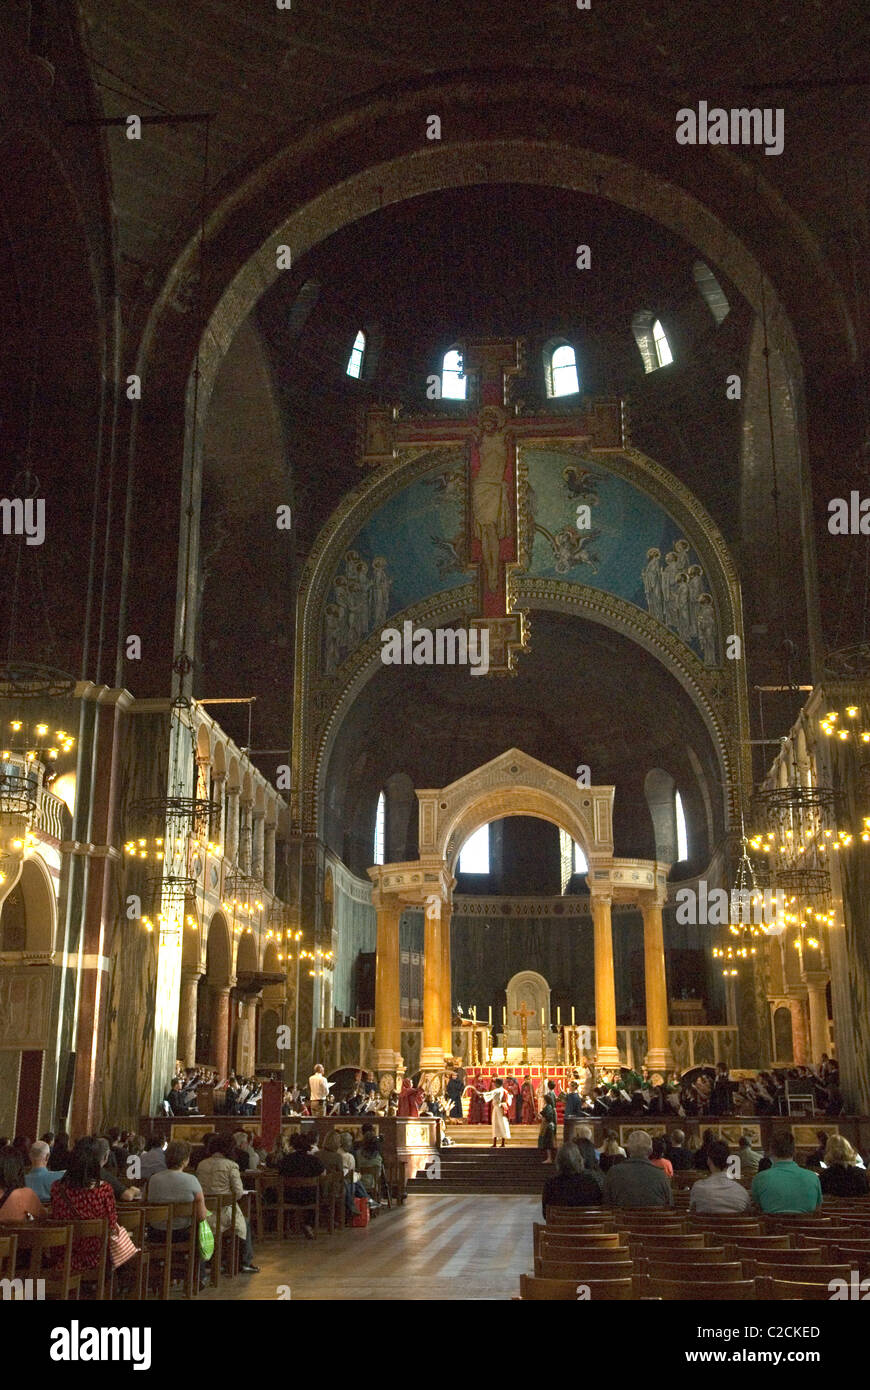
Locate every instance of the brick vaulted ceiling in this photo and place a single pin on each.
(267, 74)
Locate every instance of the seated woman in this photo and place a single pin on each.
(81, 1195)
(301, 1163)
(611, 1152)
(570, 1185)
(335, 1158)
(657, 1157)
(842, 1177)
(17, 1200)
(219, 1176)
(370, 1165)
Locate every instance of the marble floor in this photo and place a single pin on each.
(456, 1248)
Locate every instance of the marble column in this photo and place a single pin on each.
(446, 982)
(220, 1029)
(245, 846)
(607, 1052)
(388, 1033)
(187, 1016)
(432, 1050)
(797, 1004)
(817, 1000)
(218, 780)
(231, 829)
(658, 1054)
(258, 846)
(269, 857)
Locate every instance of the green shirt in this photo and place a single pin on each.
(786, 1187)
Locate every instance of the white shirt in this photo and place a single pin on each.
(317, 1086)
(718, 1193)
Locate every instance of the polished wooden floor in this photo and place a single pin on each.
(453, 1248)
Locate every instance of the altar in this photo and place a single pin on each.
(482, 1078)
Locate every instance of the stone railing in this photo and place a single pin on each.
(52, 818)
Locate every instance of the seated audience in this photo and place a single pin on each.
(816, 1158)
(177, 1103)
(17, 1199)
(636, 1183)
(81, 1195)
(370, 1164)
(658, 1159)
(219, 1176)
(842, 1177)
(301, 1163)
(785, 1186)
(40, 1178)
(570, 1185)
(719, 1192)
(707, 1139)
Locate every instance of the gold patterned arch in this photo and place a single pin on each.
(323, 701)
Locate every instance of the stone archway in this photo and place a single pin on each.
(513, 784)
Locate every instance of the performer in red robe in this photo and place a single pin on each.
(476, 1107)
(485, 1084)
(511, 1085)
(529, 1104)
(410, 1099)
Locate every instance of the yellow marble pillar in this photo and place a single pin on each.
(658, 1054)
(446, 983)
(432, 1052)
(388, 1030)
(607, 1052)
(186, 1047)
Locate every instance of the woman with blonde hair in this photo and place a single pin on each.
(842, 1177)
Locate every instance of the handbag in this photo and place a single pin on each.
(122, 1247)
(206, 1240)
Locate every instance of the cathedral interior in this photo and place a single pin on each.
(263, 272)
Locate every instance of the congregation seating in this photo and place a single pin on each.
(584, 1253)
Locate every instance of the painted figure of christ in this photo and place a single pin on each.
(490, 502)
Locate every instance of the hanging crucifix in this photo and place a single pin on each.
(491, 438)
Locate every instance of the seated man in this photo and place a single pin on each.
(177, 1103)
(749, 1157)
(785, 1186)
(637, 1182)
(679, 1155)
(719, 1192)
(40, 1178)
(301, 1163)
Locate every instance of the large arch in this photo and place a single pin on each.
(775, 260)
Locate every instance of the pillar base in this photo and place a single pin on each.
(659, 1059)
(432, 1058)
(388, 1060)
(607, 1057)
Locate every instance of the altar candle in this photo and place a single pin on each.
(474, 1013)
(572, 1015)
(558, 1016)
(542, 1018)
(490, 1015)
(504, 1016)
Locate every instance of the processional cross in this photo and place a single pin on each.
(524, 1014)
(490, 434)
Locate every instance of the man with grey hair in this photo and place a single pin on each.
(637, 1182)
(40, 1178)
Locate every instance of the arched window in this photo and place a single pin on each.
(572, 860)
(663, 347)
(711, 291)
(652, 341)
(474, 855)
(560, 370)
(581, 864)
(380, 829)
(357, 353)
(453, 380)
(682, 837)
